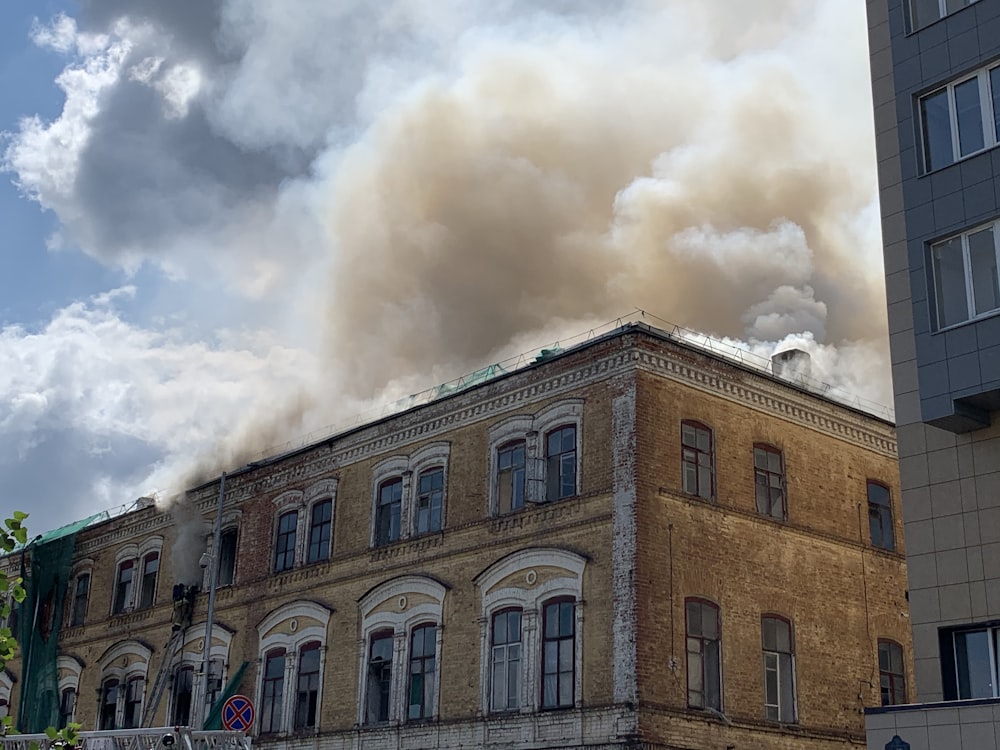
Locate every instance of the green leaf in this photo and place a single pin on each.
(21, 535)
(20, 515)
(51, 733)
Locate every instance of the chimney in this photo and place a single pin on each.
(792, 364)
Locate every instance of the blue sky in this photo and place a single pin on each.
(230, 223)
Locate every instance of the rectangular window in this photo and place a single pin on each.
(704, 654)
(379, 678)
(892, 675)
(387, 514)
(182, 691)
(769, 481)
(272, 692)
(558, 654)
(430, 500)
(697, 460)
(966, 280)
(81, 594)
(422, 668)
(560, 463)
(67, 707)
(227, 557)
(505, 663)
(123, 587)
(133, 703)
(320, 531)
(109, 705)
(779, 669)
(150, 566)
(510, 477)
(975, 663)
(880, 517)
(307, 689)
(284, 545)
(925, 12)
(960, 119)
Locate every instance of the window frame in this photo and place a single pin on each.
(419, 496)
(512, 470)
(78, 611)
(702, 639)
(145, 600)
(969, 288)
(768, 474)
(175, 694)
(311, 720)
(230, 532)
(105, 722)
(695, 460)
(428, 666)
(987, 118)
(384, 679)
(896, 687)
(135, 687)
(943, 12)
(507, 660)
(67, 712)
(790, 676)
(555, 461)
(323, 548)
(122, 592)
(285, 553)
(272, 713)
(559, 638)
(886, 517)
(384, 512)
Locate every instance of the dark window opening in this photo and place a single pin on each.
(423, 642)
(505, 661)
(227, 557)
(387, 515)
(272, 692)
(307, 688)
(769, 482)
(379, 678)
(880, 517)
(779, 669)
(81, 595)
(284, 547)
(510, 477)
(697, 460)
(430, 501)
(109, 705)
(320, 531)
(182, 691)
(560, 463)
(123, 587)
(704, 654)
(150, 566)
(558, 654)
(892, 675)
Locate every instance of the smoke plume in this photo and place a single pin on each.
(410, 190)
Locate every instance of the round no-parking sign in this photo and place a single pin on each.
(237, 714)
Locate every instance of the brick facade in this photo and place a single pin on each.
(627, 548)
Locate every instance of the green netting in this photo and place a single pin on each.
(214, 718)
(40, 620)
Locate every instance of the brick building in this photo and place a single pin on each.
(632, 541)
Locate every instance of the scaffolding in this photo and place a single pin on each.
(155, 738)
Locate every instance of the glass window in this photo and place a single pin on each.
(422, 667)
(505, 662)
(925, 12)
(779, 669)
(379, 678)
(510, 477)
(936, 118)
(983, 262)
(67, 706)
(704, 654)
(880, 516)
(123, 587)
(974, 664)
(769, 481)
(995, 89)
(560, 463)
(697, 460)
(81, 595)
(182, 691)
(284, 547)
(892, 676)
(227, 557)
(949, 282)
(387, 515)
(307, 688)
(430, 499)
(133, 703)
(272, 692)
(150, 566)
(558, 654)
(109, 705)
(320, 531)
(969, 114)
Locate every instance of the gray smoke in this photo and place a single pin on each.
(190, 535)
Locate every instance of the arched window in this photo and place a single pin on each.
(558, 653)
(227, 557)
(123, 674)
(401, 650)
(891, 672)
(779, 669)
(320, 530)
(272, 691)
(123, 587)
(704, 654)
(68, 670)
(307, 686)
(531, 638)
(150, 568)
(697, 459)
(769, 481)
(880, 516)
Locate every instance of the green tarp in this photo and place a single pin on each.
(40, 620)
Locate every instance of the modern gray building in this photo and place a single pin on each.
(936, 87)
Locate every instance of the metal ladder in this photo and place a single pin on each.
(162, 675)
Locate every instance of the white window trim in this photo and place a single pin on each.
(123, 661)
(271, 636)
(401, 617)
(970, 301)
(192, 654)
(68, 669)
(985, 111)
(408, 468)
(533, 429)
(530, 599)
